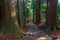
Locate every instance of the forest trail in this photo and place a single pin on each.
(36, 34)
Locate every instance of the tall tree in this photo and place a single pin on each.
(9, 19)
(0, 11)
(18, 15)
(52, 14)
(38, 9)
(47, 12)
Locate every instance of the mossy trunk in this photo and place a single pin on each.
(9, 19)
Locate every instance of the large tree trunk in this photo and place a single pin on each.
(4, 16)
(9, 19)
(52, 14)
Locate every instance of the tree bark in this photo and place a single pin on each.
(52, 14)
(9, 19)
(4, 16)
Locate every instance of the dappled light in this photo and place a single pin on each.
(13, 14)
(44, 38)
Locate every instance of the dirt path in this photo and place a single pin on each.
(35, 33)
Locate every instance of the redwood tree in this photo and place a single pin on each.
(52, 14)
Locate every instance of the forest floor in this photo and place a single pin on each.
(34, 34)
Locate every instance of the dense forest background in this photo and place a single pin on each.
(30, 7)
(28, 10)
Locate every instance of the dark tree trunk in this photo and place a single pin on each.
(38, 9)
(52, 14)
(47, 12)
(18, 15)
(4, 14)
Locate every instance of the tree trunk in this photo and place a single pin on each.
(9, 19)
(38, 9)
(4, 16)
(52, 14)
(18, 15)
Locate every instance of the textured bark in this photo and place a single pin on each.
(9, 19)
(24, 17)
(13, 18)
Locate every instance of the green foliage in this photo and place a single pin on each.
(43, 11)
(58, 11)
(58, 8)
